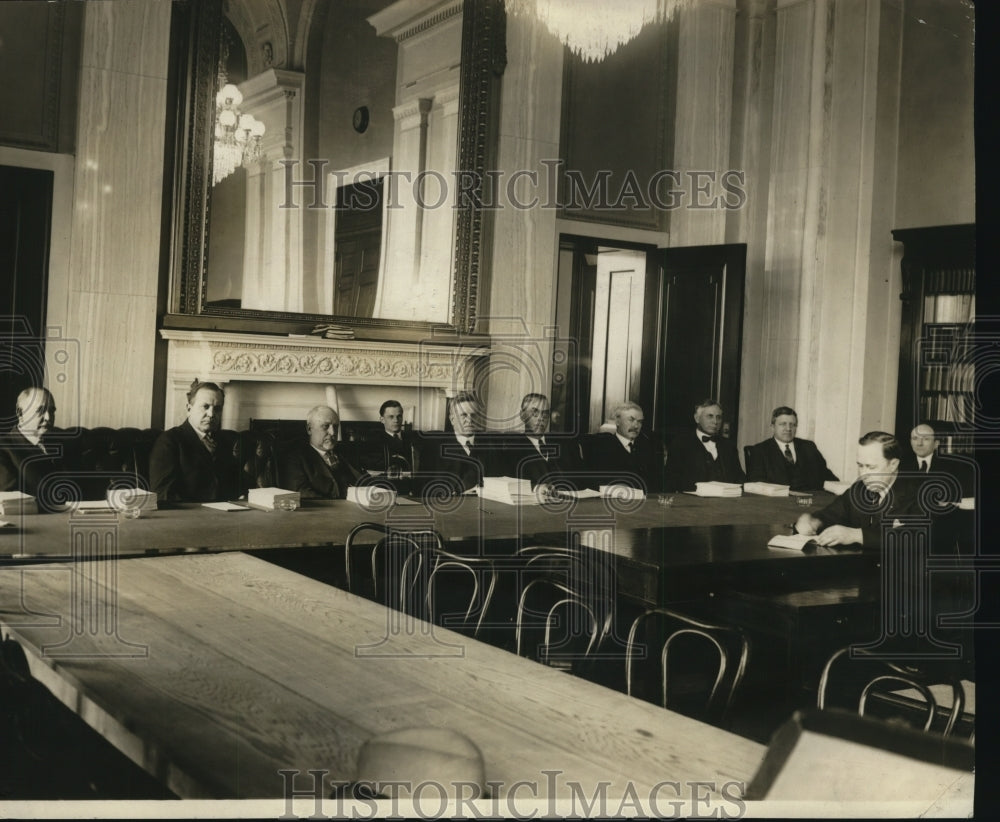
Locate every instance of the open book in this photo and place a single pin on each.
(795, 542)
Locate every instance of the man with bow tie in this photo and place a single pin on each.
(785, 459)
(702, 455)
(196, 461)
(28, 453)
(317, 469)
(626, 456)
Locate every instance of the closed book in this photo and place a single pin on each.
(271, 498)
(766, 489)
(718, 489)
(13, 503)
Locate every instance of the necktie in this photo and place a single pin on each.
(328, 458)
(631, 447)
(789, 457)
(210, 442)
(467, 445)
(923, 466)
(398, 437)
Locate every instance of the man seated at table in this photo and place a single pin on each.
(28, 453)
(785, 459)
(626, 456)
(196, 461)
(879, 494)
(461, 458)
(536, 454)
(702, 455)
(317, 469)
(392, 449)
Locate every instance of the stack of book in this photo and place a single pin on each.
(508, 490)
(13, 503)
(271, 498)
(124, 498)
(718, 489)
(767, 489)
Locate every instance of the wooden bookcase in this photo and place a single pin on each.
(936, 363)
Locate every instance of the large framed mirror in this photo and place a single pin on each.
(330, 164)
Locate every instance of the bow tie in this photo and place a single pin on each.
(707, 438)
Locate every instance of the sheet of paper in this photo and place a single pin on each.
(225, 506)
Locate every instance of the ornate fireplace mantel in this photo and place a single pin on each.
(264, 374)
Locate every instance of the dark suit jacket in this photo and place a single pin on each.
(522, 460)
(383, 451)
(857, 508)
(24, 467)
(962, 470)
(443, 459)
(181, 469)
(688, 463)
(305, 471)
(607, 461)
(767, 463)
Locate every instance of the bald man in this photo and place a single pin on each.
(27, 452)
(317, 469)
(925, 459)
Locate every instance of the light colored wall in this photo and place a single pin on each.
(114, 259)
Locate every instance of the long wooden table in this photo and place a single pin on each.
(191, 527)
(214, 672)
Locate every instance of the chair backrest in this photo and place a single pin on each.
(392, 574)
(870, 676)
(256, 456)
(663, 629)
(556, 626)
(456, 591)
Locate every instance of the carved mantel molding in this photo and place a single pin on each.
(226, 357)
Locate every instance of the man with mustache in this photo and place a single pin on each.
(627, 456)
(196, 461)
(316, 469)
(27, 452)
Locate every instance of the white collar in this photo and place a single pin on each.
(625, 441)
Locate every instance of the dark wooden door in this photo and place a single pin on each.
(694, 327)
(25, 216)
(358, 249)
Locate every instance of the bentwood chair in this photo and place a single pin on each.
(452, 591)
(391, 575)
(684, 683)
(870, 682)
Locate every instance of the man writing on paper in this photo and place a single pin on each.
(703, 455)
(316, 469)
(196, 461)
(27, 452)
(879, 494)
(627, 456)
(784, 459)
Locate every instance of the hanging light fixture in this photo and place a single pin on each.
(237, 135)
(595, 29)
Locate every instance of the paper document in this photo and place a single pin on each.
(836, 487)
(508, 490)
(718, 489)
(225, 506)
(622, 492)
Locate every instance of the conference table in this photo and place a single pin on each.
(217, 671)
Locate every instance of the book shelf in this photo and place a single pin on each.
(936, 362)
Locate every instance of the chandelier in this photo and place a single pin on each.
(237, 135)
(595, 29)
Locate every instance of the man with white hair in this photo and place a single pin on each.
(316, 469)
(626, 456)
(703, 455)
(27, 453)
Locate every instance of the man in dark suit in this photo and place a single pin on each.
(925, 459)
(785, 459)
(702, 455)
(626, 456)
(28, 452)
(537, 455)
(196, 461)
(856, 516)
(461, 458)
(315, 468)
(392, 449)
